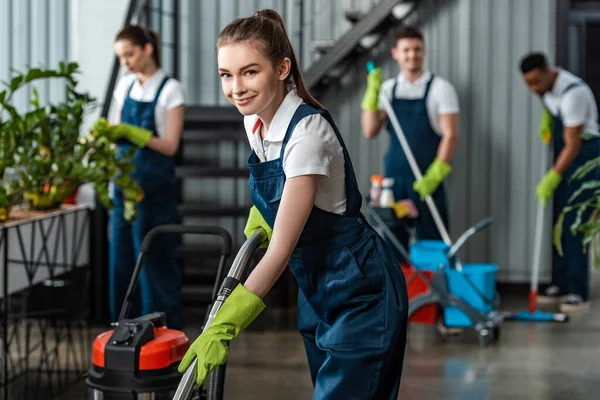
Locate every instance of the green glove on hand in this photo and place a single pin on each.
(370, 100)
(256, 220)
(545, 128)
(545, 189)
(435, 175)
(136, 135)
(211, 347)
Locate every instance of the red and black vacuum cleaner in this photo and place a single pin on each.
(139, 358)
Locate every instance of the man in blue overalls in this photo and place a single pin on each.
(569, 112)
(426, 107)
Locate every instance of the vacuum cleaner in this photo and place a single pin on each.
(139, 358)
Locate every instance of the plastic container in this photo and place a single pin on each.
(387, 194)
(429, 254)
(375, 191)
(476, 285)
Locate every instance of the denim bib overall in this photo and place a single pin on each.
(352, 302)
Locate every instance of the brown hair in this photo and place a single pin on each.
(267, 27)
(141, 36)
(408, 32)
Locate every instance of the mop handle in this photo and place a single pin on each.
(234, 276)
(539, 227)
(415, 168)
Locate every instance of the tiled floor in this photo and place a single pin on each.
(531, 361)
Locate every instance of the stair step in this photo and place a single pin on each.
(354, 15)
(210, 135)
(198, 251)
(212, 210)
(189, 171)
(200, 117)
(322, 46)
(196, 294)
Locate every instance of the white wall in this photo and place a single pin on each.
(94, 25)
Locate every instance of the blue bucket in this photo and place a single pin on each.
(476, 285)
(429, 255)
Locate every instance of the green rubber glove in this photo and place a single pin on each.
(256, 220)
(136, 135)
(545, 189)
(435, 175)
(370, 100)
(211, 347)
(545, 127)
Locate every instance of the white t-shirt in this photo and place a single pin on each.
(442, 97)
(577, 106)
(313, 149)
(170, 97)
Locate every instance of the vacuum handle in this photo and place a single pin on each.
(170, 228)
(191, 230)
(234, 276)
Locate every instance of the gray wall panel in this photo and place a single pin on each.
(32, 34)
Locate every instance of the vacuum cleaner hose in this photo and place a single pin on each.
(234, 276)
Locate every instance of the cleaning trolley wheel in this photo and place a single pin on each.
(485, 337)
(496, 334)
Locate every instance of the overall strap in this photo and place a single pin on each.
(160, 88)
(393, 94)
(302, 111)
(428, 86)
(572, 85)
(130, 87)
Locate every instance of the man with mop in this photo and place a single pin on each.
(426, 107)
(569, 111)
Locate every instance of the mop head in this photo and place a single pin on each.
(536, 316)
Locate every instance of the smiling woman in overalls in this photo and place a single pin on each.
(149, 117)
(352, 302)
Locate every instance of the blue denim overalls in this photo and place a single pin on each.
(352, 302)
(571, 272)
(160, 278)
(423, 141)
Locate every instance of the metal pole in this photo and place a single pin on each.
(176, 38)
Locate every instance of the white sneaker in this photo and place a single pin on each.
(551, 296)
(574, 304)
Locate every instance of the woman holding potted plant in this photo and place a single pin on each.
(149, 122)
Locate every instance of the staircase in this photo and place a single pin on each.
(212, 152)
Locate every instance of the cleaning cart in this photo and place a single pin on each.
(466, 296)
(139, 358)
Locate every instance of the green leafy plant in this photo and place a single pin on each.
(45, 146)
(587, 218)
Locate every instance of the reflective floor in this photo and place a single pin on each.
(531, 361)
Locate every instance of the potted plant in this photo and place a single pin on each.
(587, 219)
(50, 156)
(9, 190)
